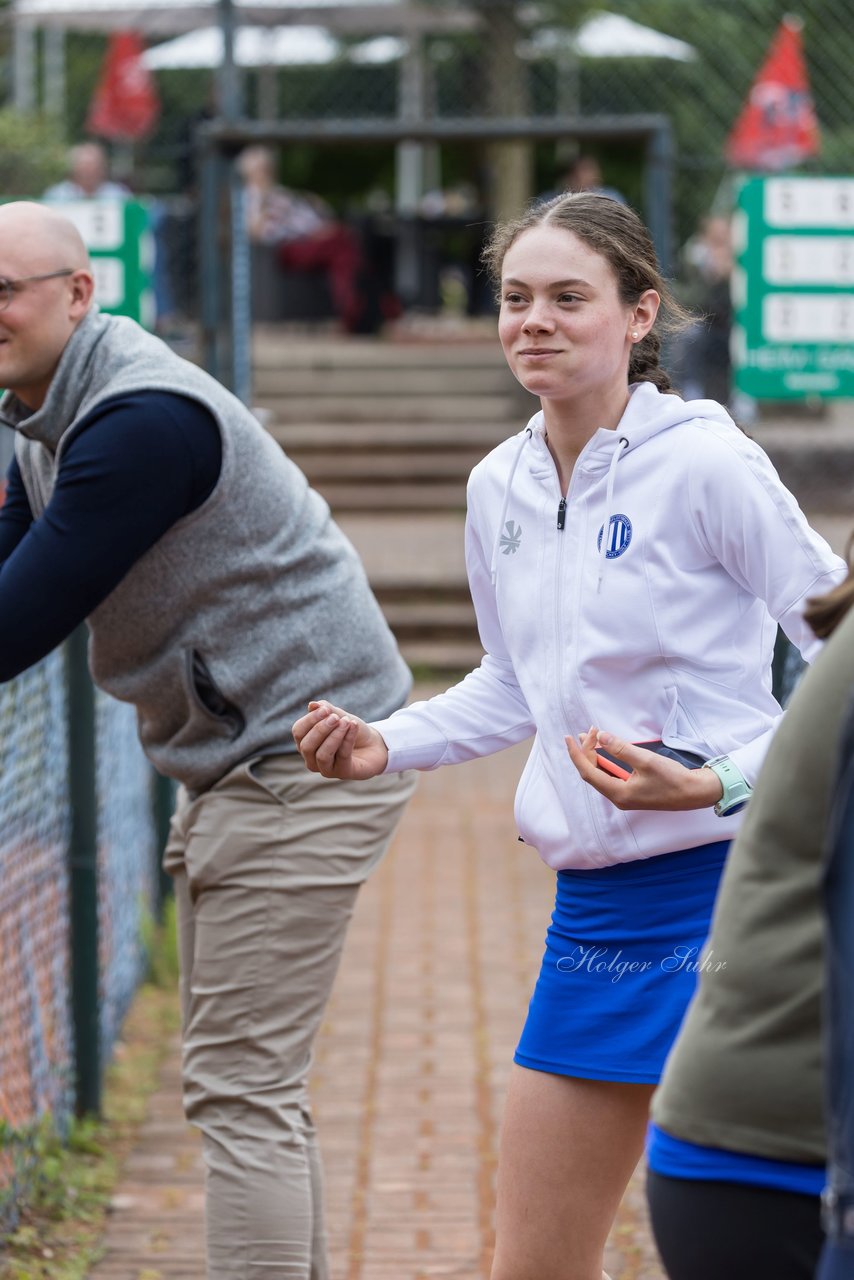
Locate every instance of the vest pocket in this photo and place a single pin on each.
(209, 698)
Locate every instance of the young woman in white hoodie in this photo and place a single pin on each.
(630, 556)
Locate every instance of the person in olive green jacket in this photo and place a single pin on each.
(837, 1258)
(738, 1142)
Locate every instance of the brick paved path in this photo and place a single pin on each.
(411, 1066)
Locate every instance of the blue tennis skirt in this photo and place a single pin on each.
(623, 953)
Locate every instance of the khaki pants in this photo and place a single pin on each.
(267, 866)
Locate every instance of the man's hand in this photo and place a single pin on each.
(655, 783)
(339, 745)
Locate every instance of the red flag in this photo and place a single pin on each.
(125, 105)
(778, 126)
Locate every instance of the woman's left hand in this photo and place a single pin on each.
(655, 781)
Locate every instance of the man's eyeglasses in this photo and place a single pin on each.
(8, 288)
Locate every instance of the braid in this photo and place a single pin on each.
(824, 613)
(644, 363)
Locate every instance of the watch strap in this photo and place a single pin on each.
(737, 790)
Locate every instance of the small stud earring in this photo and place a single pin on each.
(634, 335)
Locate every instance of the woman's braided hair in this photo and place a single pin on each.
(616, 232)
(824, 613)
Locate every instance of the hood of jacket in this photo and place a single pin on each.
(648, 413)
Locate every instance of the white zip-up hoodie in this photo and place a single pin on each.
(662, 628)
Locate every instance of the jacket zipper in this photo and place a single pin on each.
(587, 799)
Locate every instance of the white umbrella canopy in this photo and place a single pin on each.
(609, 35)
(603, 35)
(260, 47)
(172, 17)
(600, 36)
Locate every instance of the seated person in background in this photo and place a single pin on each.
(584, 174)
(87, 177)
(307, 237)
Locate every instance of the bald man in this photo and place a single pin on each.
(87, 177)
(220, 597)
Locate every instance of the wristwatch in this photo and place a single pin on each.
(737, 790)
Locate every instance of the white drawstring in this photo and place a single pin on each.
(622, 443)
(526, 436)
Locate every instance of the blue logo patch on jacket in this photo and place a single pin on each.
(619, 536)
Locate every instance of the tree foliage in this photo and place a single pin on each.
(32, 154)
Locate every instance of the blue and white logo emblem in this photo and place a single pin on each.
(619, 536)
(511, 538)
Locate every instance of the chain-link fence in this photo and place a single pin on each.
(127, 861)
(36, 1045)
(39, 1060)
(692, 60)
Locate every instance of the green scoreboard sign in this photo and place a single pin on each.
(121, 247)
(793, 305)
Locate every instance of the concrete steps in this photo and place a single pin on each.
(275, 348)
(388, 433)
(436, 616)
(435, 626)
(401, 497)
(410, 464)
(393, 465)
(385, 426)
(387, 407)
(393, 434)
(347, 380)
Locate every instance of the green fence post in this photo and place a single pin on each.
(83, 865)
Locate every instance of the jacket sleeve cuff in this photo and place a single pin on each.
(403, 752)
(749, 758)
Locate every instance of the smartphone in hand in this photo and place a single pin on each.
(622, 769)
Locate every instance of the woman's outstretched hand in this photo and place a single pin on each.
(339, 745)
(655, 783)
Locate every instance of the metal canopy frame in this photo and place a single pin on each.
(225, 312)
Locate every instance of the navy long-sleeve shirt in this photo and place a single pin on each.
(139, 463)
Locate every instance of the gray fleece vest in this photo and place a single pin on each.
(244, 609)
